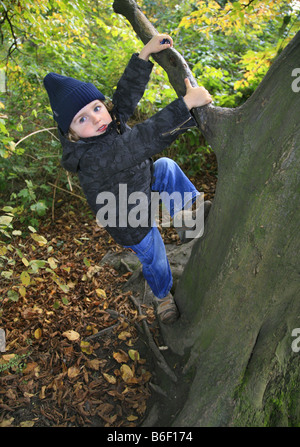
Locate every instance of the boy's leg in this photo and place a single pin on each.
(168, 177)
(171, 182)
(156, 270)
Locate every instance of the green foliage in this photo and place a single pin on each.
(15, 362)
(229, 46)
(83, 39)
(13, 254)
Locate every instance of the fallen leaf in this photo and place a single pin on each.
(109, 378)
(39, 239)
(121, 357)
(8, 357)
(86, 347)
(28, 394)
(25, 278)
(133, 354)
(6, 422)
(52, 263)
(25, 262)
(22, 291)
(124, 335)
(3, 250)
(126, 373)
(32, 366)
(42, 392)
(71, 335)
(101, 293)
(27, 424)
(38, 333)
(73, 371)
(132, 418)
(94, 364)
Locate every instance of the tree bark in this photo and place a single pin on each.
(239, 293)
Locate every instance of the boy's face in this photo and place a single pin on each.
(91, 120)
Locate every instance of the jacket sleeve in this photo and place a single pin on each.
(131, 86)
(141, 142)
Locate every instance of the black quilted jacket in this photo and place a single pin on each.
(123, 155)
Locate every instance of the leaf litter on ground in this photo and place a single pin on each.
(69, 345)
(55, 370)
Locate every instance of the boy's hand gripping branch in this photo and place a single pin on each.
(158, 43)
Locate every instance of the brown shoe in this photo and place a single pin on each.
(191, 215)
(167, 310)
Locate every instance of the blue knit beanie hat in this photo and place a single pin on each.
(67, 96)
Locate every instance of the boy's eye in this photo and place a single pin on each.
(82, 119)
(97, 108)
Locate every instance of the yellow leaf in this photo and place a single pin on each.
(124, 335)
(3, 250)
(39, 239)
(25, 278)
(109, 378)
(132, 418)
(27, 424)
(101, 293)
(86, 347)
(71, 335)
(22, 291)
(38, 333)
(52, 263)
(6, 422)
(42, 393)
(126, 373)
(133, 354)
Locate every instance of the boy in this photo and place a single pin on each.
(110, 157)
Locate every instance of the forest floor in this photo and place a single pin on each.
(75, 356)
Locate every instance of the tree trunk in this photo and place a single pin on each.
(239, 293)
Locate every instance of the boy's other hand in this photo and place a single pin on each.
(155, 46)
(196, 96)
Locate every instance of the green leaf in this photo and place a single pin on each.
(40, 207)
(39, 239)
(5, 220)
(25, 278)
(86, 262)
(13, 295)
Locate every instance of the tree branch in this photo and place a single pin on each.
(170, 60)
(208, 117)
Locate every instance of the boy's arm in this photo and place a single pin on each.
(132, 84)
(143, 141)
(131, 87)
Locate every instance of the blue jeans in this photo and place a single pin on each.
(151, 250)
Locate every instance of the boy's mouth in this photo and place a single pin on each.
(102, 128)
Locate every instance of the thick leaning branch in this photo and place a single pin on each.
(171, 61)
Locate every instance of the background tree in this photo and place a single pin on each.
(239, 294)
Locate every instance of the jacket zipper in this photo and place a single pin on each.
(179, 127)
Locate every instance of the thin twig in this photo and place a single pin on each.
(37, 131)
(54, 194)
(65, 190)
(102, 332)
(116, 314)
